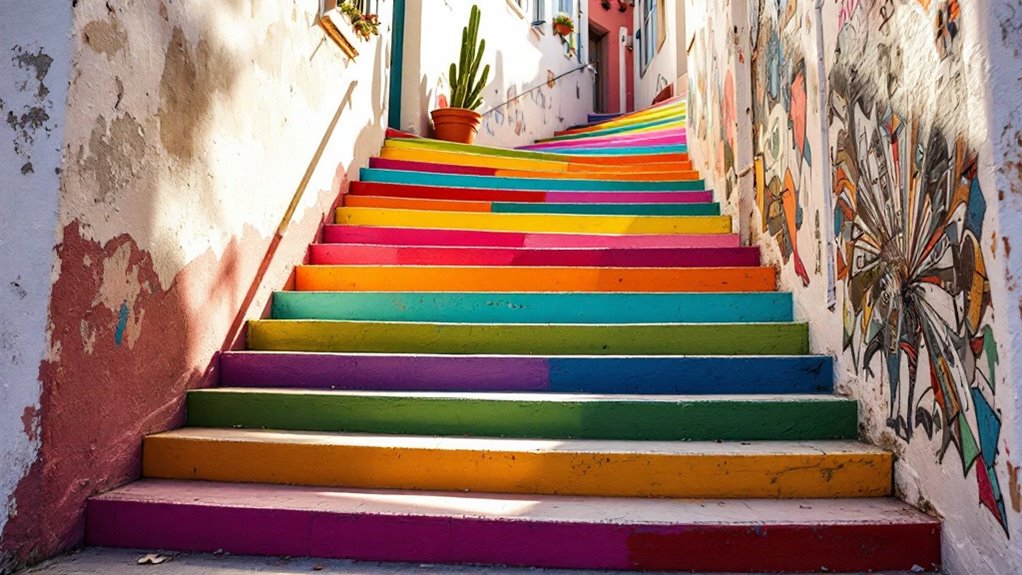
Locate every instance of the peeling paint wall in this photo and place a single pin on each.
(521, 58)
(33, 94)
(188, 130)
(885, 146)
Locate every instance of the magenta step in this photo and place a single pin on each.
(374, 254)
(341, 234)
(557, 197)
(525, 530)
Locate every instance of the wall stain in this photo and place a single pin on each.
(1014, 490)
(190, 81)
(105, 36)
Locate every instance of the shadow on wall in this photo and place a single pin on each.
(183, 152)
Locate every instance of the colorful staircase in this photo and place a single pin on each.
(557, 356)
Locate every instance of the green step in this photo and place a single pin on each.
(529, 415)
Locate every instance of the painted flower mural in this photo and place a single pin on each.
(909, 215)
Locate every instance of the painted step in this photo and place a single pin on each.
(533, 279)
(365, 254)
(672, 174)
(530, 415)
(790, 535)
(629, 208)
(557, 223)
(473, 307)
(630, 159)
(528, 339)
(490, 465)
(565, 197)
(485, 182)
(333, 233)
(559, 164)
(600, 374)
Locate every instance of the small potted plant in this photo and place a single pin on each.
(365, 25)
(460, 122)
(563, 25)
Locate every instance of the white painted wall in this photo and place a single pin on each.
(666, 68)
(34, 65)
(520, 58)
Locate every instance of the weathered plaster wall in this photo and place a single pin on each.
(886, 176)
(189, 128)
(612, 20)
(520, 58)
(33, 94)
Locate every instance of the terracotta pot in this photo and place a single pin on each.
(456, 125)
(562, 29)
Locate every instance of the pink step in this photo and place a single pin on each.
(753, 535)
(339, 234)
(477, 194)
(371, 254)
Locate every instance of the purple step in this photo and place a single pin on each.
(536, 531)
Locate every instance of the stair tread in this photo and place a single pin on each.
(559, 326)
(513, 356)
(522, 507)
(501, 444)
(547, 397)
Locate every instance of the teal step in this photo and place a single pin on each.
(475, 307)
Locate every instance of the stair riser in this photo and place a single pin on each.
(559, 165)
(439, 237)
(556, 223)
(569, 197)
(533, 279)
(626, 209)
(684, 547)
(617, 152)
(640, 375)
(453, 180)
(337, 254)
(646, 158)
(650, 127)
(665, 420)
(670, 136)
(465, 307)
(593, 474)
(560, 174)
(668, 339)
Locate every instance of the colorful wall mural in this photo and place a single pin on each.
(780, 110)
(909, 221)
(874, 145)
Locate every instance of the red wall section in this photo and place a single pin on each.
(612, 20)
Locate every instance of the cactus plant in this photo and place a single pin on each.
(466, 83)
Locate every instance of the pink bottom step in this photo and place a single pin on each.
(538, 531)
(339, 234)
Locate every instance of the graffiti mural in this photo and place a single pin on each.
(908, 219)
(783, 152)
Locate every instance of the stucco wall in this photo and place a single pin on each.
(885, 175)
(520, 59)
(612, 20)
(189, 129)
(33, 94)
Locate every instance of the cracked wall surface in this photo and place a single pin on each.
(885, 175)
(151, 149)
(33, 93)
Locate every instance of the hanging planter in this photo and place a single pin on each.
(460, 122)
(563, 25)
(365, 25)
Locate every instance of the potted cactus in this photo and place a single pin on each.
(460, 122)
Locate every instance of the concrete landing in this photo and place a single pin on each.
(102, 561)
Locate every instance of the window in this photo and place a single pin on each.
(646, 36)
(538, 12)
